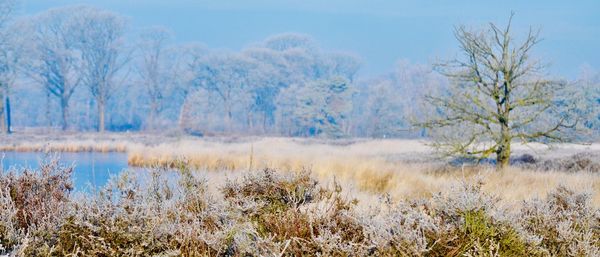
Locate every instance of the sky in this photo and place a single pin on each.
(381, 32)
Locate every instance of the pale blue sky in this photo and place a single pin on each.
(381, 32)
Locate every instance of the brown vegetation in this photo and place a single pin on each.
(268, 212)
(404, 169)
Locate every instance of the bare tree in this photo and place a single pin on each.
(154, 71)
(498, 95)
(186, 59)
(55, 60)
(342, 64)
(385, 115)
(318, 108)
(584, 98)
(8, 60)
(227, 77)
(101, 43)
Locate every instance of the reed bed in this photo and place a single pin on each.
(404, 169)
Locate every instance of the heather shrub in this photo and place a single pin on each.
(585, 161)
(121, 220)
(173, 212)
(564, 224)
(399, 228)
(204, 227)
(36, 194)
(33, 202)
(9, 232)
(293, 212)
(268, 191)
(126, 219)
(462, 223)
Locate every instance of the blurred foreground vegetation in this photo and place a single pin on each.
(268, 212)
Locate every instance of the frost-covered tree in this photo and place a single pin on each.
(101, 40)
(9, 59)
(55, 60)
(186, 60)
(272, 74)
(385, 115)
(585, 97)
(498, 95)
(343, 64)
(226, 77)
(392, 100)
(289, 41)
(155, 70)
(303, 58)
(293, 61)
(319, 108)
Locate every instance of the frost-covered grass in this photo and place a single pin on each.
(268, 212)
(64, 142)
(404, 169)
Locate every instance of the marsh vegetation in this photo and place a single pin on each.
(271, 212)
(283, 147)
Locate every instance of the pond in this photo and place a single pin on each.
(92, 169)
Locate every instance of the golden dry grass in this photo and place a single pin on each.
(79, 142)
(401, 168)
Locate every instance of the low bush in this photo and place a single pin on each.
(271, 213)
(33, 203)
(563, 224)
(585, 161)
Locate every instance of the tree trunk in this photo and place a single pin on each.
(150, 121)
(64, 109)
(8, 120)
(229, 118)
(101, 116)
(264, 122)
(48, 118)
(503, 151)
(153, 115)
(2, 112)
(250, 121)
(182, 114)
(130, 114)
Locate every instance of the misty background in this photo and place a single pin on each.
(293, 68)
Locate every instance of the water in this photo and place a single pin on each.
(92, 169)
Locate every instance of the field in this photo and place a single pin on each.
(404, 169)
(271, 196)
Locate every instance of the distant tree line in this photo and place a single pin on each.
(80, 68)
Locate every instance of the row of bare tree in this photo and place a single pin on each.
(84, 68)
(81, 68)
(64, 49)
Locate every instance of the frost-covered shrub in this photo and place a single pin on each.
(10, 234)
(400, 228)
(586, 161)
(126, 219)
(564, 224)
(465, 222)
(122, 219)
(295, 214)
(32, 203)
(36, 194)
(268, 191)
(271, 213)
